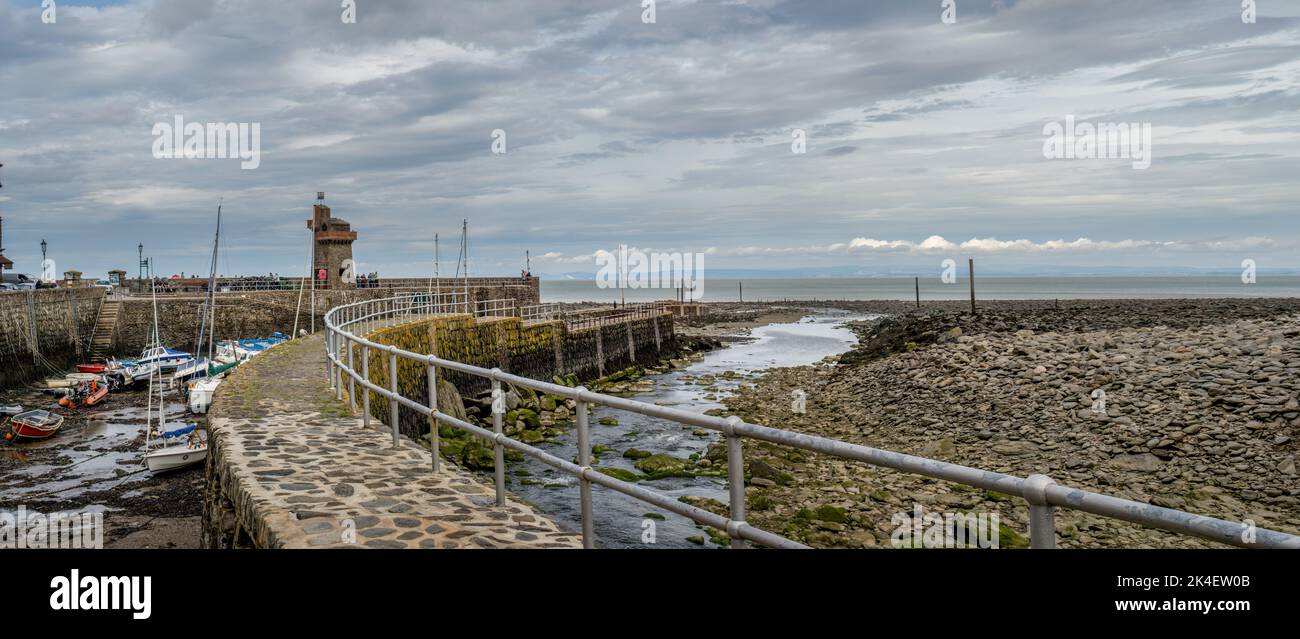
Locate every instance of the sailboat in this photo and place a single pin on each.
(177, 448)
(204, 381)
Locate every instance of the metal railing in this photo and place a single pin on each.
(169, 286)
(601, 317)
(1042, 494)
(540, 312)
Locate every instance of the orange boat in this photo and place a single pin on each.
(91, 368)
(85, 395)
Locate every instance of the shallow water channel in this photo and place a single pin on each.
(618, 519)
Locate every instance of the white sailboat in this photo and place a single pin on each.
(177, 448)
(201, 388)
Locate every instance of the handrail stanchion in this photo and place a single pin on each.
(498, 451)
(432, 373)
(1042, 515)
(393, 405)
(338, 368)
(329, 356)
(352, 381)
(736, 478)
(365, 374)
(584, 460)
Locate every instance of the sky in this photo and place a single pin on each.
(924, 138)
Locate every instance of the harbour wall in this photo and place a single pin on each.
(45, 331)
(255, 314)
(538, 350)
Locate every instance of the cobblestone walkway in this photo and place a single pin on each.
(302, 471)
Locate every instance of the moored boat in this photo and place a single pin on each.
(192, 450)
(165, 358)
(86, 394)
(92, 368)
(11, 410)
(34, 424)
(201, 392)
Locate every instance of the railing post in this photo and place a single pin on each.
(1042, 515)
(736, 480)
(393, 404)
(499, 451)
(329, 360)
(432, 373)
(365, 374)
(337, 378)
(352, 381)
(584, 460)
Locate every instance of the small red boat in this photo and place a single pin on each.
(91, 368)
(34, 424)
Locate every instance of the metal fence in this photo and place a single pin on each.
(1041, 493)
(169, 286)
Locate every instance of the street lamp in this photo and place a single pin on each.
(44, 245)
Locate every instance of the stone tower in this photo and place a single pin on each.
(333, 249)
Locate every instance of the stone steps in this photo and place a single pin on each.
(101, 340)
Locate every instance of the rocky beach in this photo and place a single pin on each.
(1187, 404)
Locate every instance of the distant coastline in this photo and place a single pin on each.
(932, 289)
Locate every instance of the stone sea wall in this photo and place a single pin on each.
(538, 350)
(44, 329)
(254, 314)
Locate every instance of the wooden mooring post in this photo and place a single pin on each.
(918, 291)
(970, 266)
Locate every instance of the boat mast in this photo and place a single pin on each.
(464, 251)
(212, 288)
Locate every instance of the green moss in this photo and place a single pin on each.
(621, 474)
(662, 465)
(824, 512)
(1008, 538)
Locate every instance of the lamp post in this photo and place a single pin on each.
(44, 245)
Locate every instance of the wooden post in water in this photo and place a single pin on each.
(742, 290)
(970, 266)
(918, 292)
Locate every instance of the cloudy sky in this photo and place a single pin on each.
(924, 140)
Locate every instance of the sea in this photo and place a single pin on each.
(896, 288)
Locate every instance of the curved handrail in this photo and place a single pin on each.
(1042, 494)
